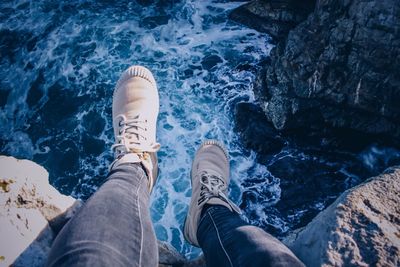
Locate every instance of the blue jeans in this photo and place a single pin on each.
(114, 229)
(226, 240)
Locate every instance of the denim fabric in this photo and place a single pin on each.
(227, 240)
(113, 228)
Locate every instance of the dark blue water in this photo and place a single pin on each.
(60, 62)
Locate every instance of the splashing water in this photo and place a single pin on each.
(59, 65)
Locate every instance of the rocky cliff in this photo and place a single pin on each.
(361, 228)
(276, 17)
(339, 68)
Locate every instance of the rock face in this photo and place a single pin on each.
(361, 228)
(256, 131)
(275, 17)
(32, 212)
(339, 68)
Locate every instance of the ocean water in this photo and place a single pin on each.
(60, 62)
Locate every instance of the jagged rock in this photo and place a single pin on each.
(275, 17)
(361, 228)
(208, 62)
(30, 206)
(339, 68)
(255, 130)
(152, 22)
(169, 256)
(32, 212)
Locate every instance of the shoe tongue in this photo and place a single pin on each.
(132, 115)
(211, 172)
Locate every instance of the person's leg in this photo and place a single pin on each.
(213, 222)
(227, 240)
(114, 227)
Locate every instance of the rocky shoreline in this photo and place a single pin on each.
(361, 228)
(276, 18)
(338, 68)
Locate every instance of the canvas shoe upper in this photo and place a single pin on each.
(210, 181)
(135, 109)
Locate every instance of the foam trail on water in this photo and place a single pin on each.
(193, 108)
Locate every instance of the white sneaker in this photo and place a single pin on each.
(135, 110)
(210, 181)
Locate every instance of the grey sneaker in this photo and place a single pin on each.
(210, 181)
(135, 110)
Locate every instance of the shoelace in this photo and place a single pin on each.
(132, 137)
(214, 186)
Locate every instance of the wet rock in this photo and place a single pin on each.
(168, 255)
(145, 2)
(318, 181)
(339, 68)
(208, 62)
(3, 97)
(152, 22)
(35, 93)
(11, 42)
(361, 228)
(275, 17)
(255, 130)
(94, 123)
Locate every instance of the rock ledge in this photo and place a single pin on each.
(32, 212)
(361, 228)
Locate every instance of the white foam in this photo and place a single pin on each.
(375, 156)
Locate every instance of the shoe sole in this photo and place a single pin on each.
(216, 143)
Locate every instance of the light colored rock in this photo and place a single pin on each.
(27, 204)
(198, 262)
(361, 228)
(168, 255)
(32, 212)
